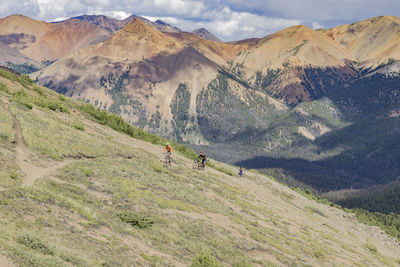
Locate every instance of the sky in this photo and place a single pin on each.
(227, 19)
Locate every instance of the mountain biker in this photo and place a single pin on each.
(240, 172)
(202, 157)
(168, 148)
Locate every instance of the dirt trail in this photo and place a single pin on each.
(31, 170)
(5, 261)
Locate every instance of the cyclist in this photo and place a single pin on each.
(202, 157)
(240, 172)
(168, 148)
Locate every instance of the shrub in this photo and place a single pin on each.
(24, 80)
(51, 104)
(77, 124)
(38, 90)
(4, 88)
(35, 243)
(23, 98)
(135, 219)
(188, 152)
(314, 210)
(204, 259)
(371, 247)
(14, 175)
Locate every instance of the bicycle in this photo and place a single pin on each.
(167, 160)
(198, 165)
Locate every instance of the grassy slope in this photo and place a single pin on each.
(70, 216)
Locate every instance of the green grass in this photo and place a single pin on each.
(35, 243)
(4, 88)
(50, 138)
(154, 260)
(6, 125)
(23, 98)
(77, 124)
(156, 165)
(220, 168)
(135, 219)
(314, 210)
(204, 259)
(371, 247)
(117, 123)
(24, 80)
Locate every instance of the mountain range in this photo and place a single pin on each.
(319, 106)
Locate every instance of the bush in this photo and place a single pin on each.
(35, 243)
(4, 88)
(38, 90)
(77, 124)
(23, 98)
(51, 104)
(371, 247)
(24, 80)
(136, 220)
(204, 259)
(188, 152)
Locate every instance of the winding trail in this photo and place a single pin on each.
(32, 172)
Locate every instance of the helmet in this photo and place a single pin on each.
(167, 144)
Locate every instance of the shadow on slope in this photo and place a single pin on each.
(367, 153)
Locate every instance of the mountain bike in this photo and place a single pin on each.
(167, 160)
(198, 165)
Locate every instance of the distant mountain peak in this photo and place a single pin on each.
(162, 22)
(137, 24)
(204, 33)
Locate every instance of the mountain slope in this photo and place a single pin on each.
(48, 41)
(135, 73)
(203, 33)
(66, 37)
(112, 25)
(371, 42)
(102, 198)
(20, 31)
(380, 198)
(306, 63)
(11, 57)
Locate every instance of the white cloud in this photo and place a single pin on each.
(181, 7)
(116, 14)
(228, 19)
(316, 25)
(24, 7)
(59, 19)
(230, 25)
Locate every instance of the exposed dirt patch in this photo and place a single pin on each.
(5, 261)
